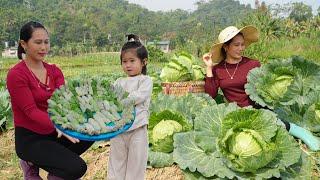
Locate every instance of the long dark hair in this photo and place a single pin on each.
(224, 53)
(26, 34)
(141, 51)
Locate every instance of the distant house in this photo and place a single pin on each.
(10, 52)
(163, 45)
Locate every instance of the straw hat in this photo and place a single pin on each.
(250, 35)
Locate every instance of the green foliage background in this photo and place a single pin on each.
(90, 26)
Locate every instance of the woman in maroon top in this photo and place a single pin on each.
(227, 69)
(31, 83)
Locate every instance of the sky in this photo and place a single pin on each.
(166, 5)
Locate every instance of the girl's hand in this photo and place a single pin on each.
(207, 60)
(74, 140)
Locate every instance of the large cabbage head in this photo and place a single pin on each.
(279, 86)
(244, 144)
(162, 135)
(164, 129)
(247, 146)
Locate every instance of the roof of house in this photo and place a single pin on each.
(158, 42)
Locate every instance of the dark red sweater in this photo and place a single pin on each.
(233, 89)
(28, 100)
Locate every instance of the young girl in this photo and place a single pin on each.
(128, 153)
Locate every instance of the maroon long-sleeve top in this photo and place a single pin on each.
(28, 100)
(233, 89)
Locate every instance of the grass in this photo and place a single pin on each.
(282, 48)
(85, 59)
(90, 64)
(305, 47)
(73, 66)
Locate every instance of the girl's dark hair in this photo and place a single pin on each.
(26, 34)
(224, 53)
(141, 51)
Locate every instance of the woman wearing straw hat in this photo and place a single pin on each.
(227, 69)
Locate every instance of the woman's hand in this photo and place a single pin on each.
(207, 60)
(74, 140)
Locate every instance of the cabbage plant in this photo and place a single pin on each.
(5, 109)
(230, 142)
(163, 126)
(171, 115)
(283, 82)
(306, 116)
(245, 144)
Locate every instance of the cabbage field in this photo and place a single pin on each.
(191, 136)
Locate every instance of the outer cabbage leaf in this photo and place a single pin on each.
(302, 91)
(306, 116)
(188, 175)
(301, 170)
(160, 159)
(187, 105)
(196, 151)
(211, 117)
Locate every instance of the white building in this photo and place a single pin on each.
(163, 45)
(10, 52)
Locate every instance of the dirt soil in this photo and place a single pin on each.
(96, 158)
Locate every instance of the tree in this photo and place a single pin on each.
(83, 25)
(300, 12)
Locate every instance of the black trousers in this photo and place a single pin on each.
(58, 156)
